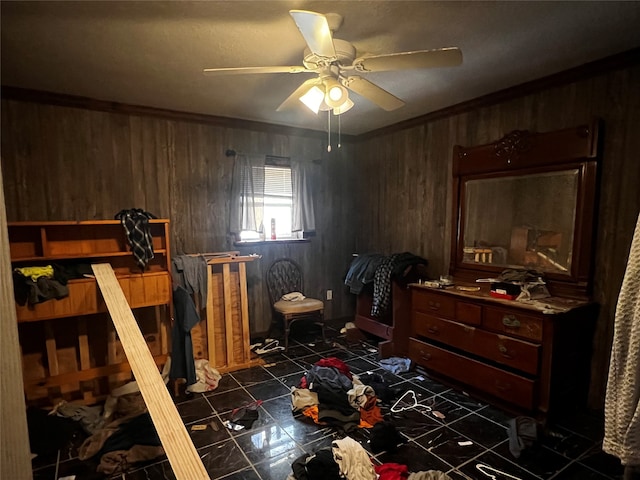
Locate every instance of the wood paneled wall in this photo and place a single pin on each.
(388, 192)
(404, 200)
(64, 163)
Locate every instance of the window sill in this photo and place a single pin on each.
(252, 243)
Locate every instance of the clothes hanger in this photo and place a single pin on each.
(413, 403)
(483, 467)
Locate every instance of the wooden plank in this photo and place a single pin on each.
(85, 359)
(210, 319)
(14, 454)
(52, 353)
(36, 384)
(182, 454)
(244, 310)
(228, 311)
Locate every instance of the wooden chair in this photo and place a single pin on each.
(285, 276)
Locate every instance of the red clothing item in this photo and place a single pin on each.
(337, 364)
(392, 471)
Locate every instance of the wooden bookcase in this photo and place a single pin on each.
(69, 346)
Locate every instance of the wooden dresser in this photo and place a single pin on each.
(513, 354)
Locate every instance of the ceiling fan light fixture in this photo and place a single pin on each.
(336, 95)
(345, 107)
(313, 98)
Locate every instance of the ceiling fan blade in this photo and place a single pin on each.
(250, 70)
(294, 98)
(372, 92)
(315, 30)
(442, 57)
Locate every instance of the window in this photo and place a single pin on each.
(277, 201)
(266, 188)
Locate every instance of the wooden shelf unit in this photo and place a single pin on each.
(70, 349)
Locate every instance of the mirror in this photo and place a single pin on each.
(527, 201)
(523, 222)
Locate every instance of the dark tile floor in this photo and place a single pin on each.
(468, 439)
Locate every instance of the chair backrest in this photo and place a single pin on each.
(284, 276)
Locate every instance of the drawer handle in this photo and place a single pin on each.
(504, 351)
(510, 321)
(425, 356)
(434, 305)
(434, 330)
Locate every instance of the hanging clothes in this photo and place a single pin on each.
(622, 406)
(136, 225)
(191, 273)
(186, 317)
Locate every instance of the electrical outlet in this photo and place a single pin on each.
(329, 294)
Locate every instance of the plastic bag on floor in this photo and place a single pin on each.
(207, 377)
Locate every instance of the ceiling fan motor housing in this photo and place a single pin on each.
(345, 54)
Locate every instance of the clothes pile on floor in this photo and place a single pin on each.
(116, 435)
(347, 459)
(331, 395)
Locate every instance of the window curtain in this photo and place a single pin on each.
(247, 194)
(304, 219)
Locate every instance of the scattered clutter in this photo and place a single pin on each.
(207, 377)
(396, 364)
(523, 433)
(269, 345)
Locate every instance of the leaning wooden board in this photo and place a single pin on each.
(182, 454)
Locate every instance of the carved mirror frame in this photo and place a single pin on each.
(531, 155)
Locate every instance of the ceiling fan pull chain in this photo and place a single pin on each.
(339, 131)
(329, 130)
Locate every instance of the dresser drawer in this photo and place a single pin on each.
(501, 349)
(498, 383)
(468, 313)
(441, 305)
(513, 322)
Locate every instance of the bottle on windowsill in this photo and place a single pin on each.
(273, 229)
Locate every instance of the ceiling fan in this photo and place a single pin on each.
(338, 68)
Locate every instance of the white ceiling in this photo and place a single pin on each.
(153, 53)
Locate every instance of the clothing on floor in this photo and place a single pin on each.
(136, 225)
(49, 433)
(359, 395)
(622, 399)
(317, 466)
(302, 398)
(185, 318)
(121, 434)
(90, 418)
(331, 387)
(119, 461)
(337, 364)
(337, 419)
(392, 471)
(396, 364)
(353, 460)
(190, 272)
(207, 377)
(385, 437)
(370, 412)
(382, 387)
(523, 433)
